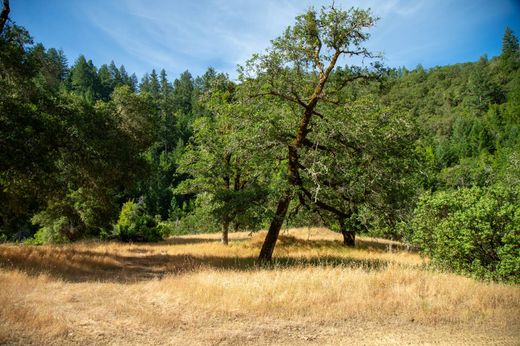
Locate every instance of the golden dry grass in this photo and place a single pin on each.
(193, 290)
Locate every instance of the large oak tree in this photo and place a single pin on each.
(296, 71)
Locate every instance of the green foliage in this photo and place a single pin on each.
(374, 179)
(510, 51)
(200, 218)
(471, 230)
(220, 161)
(135, 225)
(52, 230)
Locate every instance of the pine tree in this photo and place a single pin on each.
(114, 72)
(106, 82)
(165, 85)
(155, 87)
(510, 51)
(183, 92)
(125, 78)
(84, 79)
(144, 86)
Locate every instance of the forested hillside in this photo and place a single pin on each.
(302, 138)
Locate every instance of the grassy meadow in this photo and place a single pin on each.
(194, 290)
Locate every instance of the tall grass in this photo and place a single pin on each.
(193, 290)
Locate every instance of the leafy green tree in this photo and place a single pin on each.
(63, 159)
(296, 71)
(4, 15)
(358, 166)
(97, 159)
(221, 166)
(30, 123)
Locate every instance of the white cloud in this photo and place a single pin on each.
(179, 35)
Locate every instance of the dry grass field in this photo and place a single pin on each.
(192, 290)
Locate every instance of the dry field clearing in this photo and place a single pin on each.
(193, 290)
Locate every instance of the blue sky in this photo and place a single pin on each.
(177, 35)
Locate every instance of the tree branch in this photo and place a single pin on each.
(323, 205)
(309, 144)
(317, 60)
(4, 15)
(295, 99)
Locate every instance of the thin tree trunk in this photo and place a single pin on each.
(266, 254)
(225, 233)
(227, 184)
(349, 236)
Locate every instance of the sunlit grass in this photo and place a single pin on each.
(193, 289)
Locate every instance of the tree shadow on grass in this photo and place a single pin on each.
(73, 265)
(191, 240)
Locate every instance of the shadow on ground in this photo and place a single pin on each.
(143, 263)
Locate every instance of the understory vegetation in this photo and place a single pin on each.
(304, 137)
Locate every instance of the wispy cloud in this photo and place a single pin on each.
(179, 35)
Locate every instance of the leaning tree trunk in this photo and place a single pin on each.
(266, 254)
(349, 236)
(283, 204)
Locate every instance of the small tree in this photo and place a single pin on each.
(219, 164)
(135, 224)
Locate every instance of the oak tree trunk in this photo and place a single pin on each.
(225, 233)
(266, 254)
(349, 236)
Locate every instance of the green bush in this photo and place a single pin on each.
(473, 231)
(51, 230)
(136, 225)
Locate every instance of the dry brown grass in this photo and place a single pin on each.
(193, 290)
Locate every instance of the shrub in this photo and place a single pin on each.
(474, 231)
(51, 230)
(136, 225)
